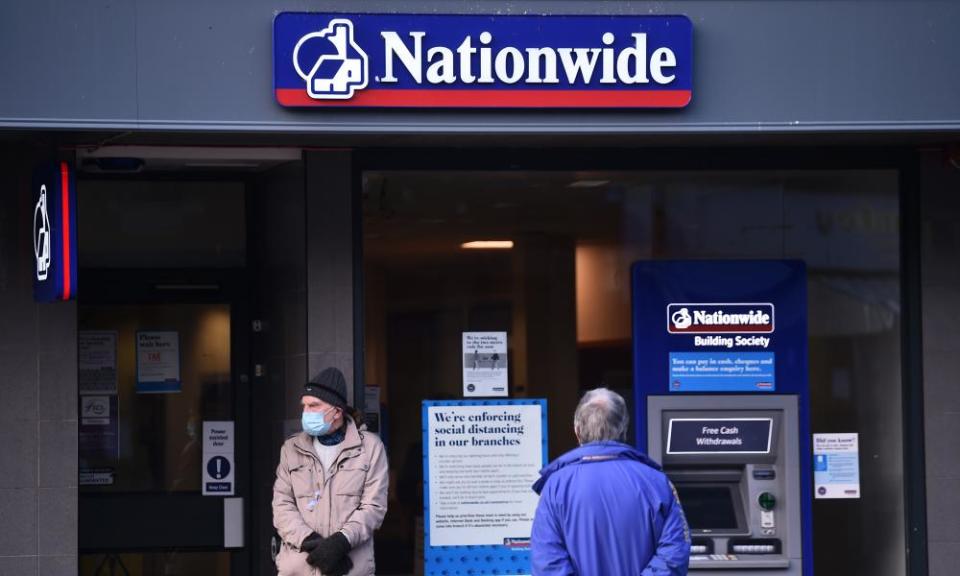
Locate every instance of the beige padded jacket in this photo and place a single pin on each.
(350, 497)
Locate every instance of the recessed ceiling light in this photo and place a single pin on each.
(488, 245)
(226, 164)
(587, 183)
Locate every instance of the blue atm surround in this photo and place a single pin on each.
(714, 300)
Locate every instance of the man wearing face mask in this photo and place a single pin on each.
(331, 488)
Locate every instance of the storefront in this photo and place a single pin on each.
(244, 220)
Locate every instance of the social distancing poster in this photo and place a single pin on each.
(482, 457)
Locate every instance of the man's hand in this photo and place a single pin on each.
(310, 542)
(329, 552)
(343, 567)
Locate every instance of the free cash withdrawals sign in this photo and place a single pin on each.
(481, 458)
(482, 61)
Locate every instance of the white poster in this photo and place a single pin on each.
(482, 461)
(97, 362)
(836, 466)
(158, 362)
(484, 364)
(218, 464)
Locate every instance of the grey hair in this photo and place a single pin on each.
(601, 415)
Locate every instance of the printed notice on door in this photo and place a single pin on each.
(97, 362)
(482, 460)
(158, 362)
(485, 364)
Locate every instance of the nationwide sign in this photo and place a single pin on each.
(720, 318)
(54, 233)
(472, 61)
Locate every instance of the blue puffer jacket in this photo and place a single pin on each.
(607, 510)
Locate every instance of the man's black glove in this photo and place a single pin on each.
(329, 552)
(343, 567)
(310, 542)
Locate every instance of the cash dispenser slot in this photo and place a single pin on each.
(754, 546)
(701, 546)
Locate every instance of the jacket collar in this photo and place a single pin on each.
(351, 440)
(592, 453)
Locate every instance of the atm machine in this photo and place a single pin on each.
(721, 401)
(735, 464)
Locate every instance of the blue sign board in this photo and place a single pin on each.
(480, 460)
(54, 233)
(482, 61)
(719, 327)
(722, 372)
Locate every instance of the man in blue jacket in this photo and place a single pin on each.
(605, 508)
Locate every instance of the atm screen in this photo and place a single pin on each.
(708, 507)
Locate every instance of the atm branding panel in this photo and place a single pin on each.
(733, 318)
(719, 436)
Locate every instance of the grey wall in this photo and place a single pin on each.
(304, 298)
(941, 350)
(787, 65)
(38, 400)
(330, 273)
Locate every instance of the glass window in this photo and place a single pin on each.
(153, 442)
(562, 293)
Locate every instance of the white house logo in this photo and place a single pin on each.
(337, 75)
(41, 235)
(739, 318)
(681, 319)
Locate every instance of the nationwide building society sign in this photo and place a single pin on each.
(471, 61)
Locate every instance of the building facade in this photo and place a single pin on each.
(274, 241)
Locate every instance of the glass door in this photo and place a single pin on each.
(162, 350)
(160, 379)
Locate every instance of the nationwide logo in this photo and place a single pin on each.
(41, 235)
(404, 60)
(735, 318)
(334, 76)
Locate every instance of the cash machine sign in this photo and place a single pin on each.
(719, 436)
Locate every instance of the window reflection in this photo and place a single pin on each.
(562, 293)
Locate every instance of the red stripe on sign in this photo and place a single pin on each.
(65, 228)
(495, 98)
(725, 329)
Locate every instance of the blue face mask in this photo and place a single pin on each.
(315, 423)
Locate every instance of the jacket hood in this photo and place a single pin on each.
(592, 453)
